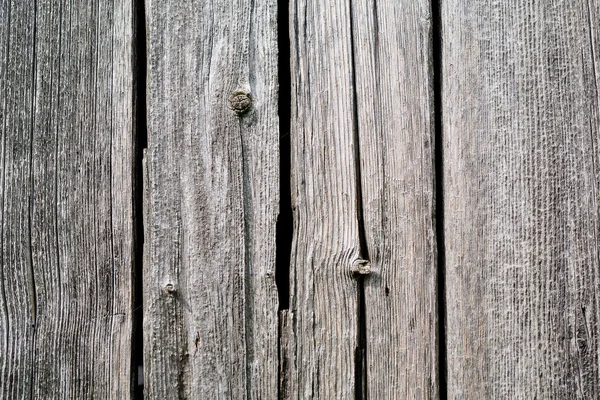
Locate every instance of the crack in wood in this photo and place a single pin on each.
(141, 143)
(284, 228)
(436, 69)
(361, 267)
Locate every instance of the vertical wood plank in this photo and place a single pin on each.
(521, 139)
(66, 199)
(324, 193)
(210, 299)
(393, 58)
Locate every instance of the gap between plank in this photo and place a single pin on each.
(285, 226)
(140, 140)
(361, 349)
(436, 49)
(284, 230)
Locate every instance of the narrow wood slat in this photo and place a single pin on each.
(521, 174)
(66, 199)
(394, 85)
(210, 300)
(324, 193)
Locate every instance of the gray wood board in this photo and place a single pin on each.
(520, 121)
(212, 200)
(386, 121)
(394, 86)
(325, 246)
(66, 199)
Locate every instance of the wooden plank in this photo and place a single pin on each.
(66, 199)
(324, 201)
(210, 299)
(521, 139)
(394, 79)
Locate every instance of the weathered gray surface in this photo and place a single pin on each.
(521, 140)
(324, 200)
(395, 109)
(66, 199)
(210, 300)
(287, 382)
(392, 133)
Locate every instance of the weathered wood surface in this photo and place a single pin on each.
(66, 199)
(385, 121)
(287, 382)
(521, 177)
(324, 200)
(210, 299)
(394, 85)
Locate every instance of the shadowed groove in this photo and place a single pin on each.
(436, 70)
(140, 143)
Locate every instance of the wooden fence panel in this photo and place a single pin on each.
(66, 199)
(521, 139)
(210, 299)
(394, 84)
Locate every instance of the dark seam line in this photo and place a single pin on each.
(140, 142)
(284, 227)
(436, 51)
(595, 78)
(361, 350)
(33, 290)
(285, 218)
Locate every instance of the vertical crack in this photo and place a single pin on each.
(284, 229)
(436, 49)
(361, 349)
(31, 269)
(140, 140)
(284, 220)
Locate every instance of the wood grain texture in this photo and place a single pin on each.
(324, 200)
(521, 139)
(210, 299)
(393, 59)
(287, 382)
(66, 199)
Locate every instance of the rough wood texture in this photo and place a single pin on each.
(521, 140)
(66, 199)
(210, 300)
(287, 383)
(385, 48)
(324, 200)
(394, 79)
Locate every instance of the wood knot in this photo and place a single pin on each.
(361, 267)
(240, 102)
(169, 288)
